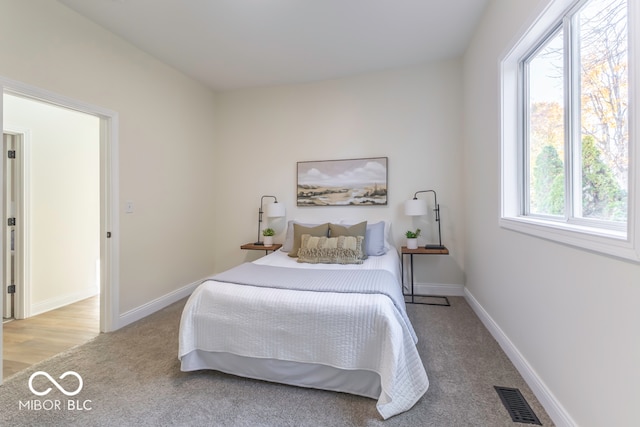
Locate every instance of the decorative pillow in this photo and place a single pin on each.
(374, 239)
(288, 240)
(359, 229)
(376, 244)
(298, 230)
(331, 250)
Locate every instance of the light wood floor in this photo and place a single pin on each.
(29, 341)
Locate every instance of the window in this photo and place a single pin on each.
(566, 127)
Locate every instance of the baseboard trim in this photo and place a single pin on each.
(157, 304)
(449, 290)
(60, 301)
(555, 410)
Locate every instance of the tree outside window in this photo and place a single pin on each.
(576, 126)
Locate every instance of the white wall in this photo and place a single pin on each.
(64, 193)
(573, 315)
(166, 150)
(412, 116)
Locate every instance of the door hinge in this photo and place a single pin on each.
(11, 154)
(11, 289)
(108, 234)
(11, 222)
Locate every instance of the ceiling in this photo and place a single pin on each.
(231, 44)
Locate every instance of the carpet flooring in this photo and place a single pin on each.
(132, 377)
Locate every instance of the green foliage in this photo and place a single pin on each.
(268, 232)
(601, 195)
(412, 234)
(548, 182)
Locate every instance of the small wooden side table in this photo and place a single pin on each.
(421, 250)
(266, 249)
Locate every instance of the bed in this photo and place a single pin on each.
(332, 326)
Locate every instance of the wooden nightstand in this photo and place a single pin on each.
(420, 251)
(266, 249)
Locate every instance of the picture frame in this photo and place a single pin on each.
(346, 182)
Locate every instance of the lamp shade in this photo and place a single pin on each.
(275, 210)
(415, 207)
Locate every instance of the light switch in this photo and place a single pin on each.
(128, 207)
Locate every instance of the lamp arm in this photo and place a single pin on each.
(437, 209)
(259, 221)
(435, 197)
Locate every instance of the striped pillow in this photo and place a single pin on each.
(331, 250)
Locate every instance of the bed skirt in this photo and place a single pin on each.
(358, 381)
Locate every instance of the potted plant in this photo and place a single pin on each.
(412, 239)
(268, 234)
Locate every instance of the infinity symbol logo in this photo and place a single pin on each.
(54, 382)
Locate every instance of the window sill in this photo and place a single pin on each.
(607, 242)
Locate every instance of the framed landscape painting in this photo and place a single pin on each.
(353, 182)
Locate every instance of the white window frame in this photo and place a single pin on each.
(622, 243)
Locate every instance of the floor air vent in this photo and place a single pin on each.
(517, 406)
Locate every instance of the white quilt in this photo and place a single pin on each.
(341, 330)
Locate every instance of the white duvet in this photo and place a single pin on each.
(347, 331)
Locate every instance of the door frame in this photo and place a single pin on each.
(22, 262)
(109, 216)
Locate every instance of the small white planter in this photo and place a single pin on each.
(268, 240)
(412, 243)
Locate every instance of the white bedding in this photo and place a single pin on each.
(356, 343)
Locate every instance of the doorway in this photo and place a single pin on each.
(102, 272)
(52, 205)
